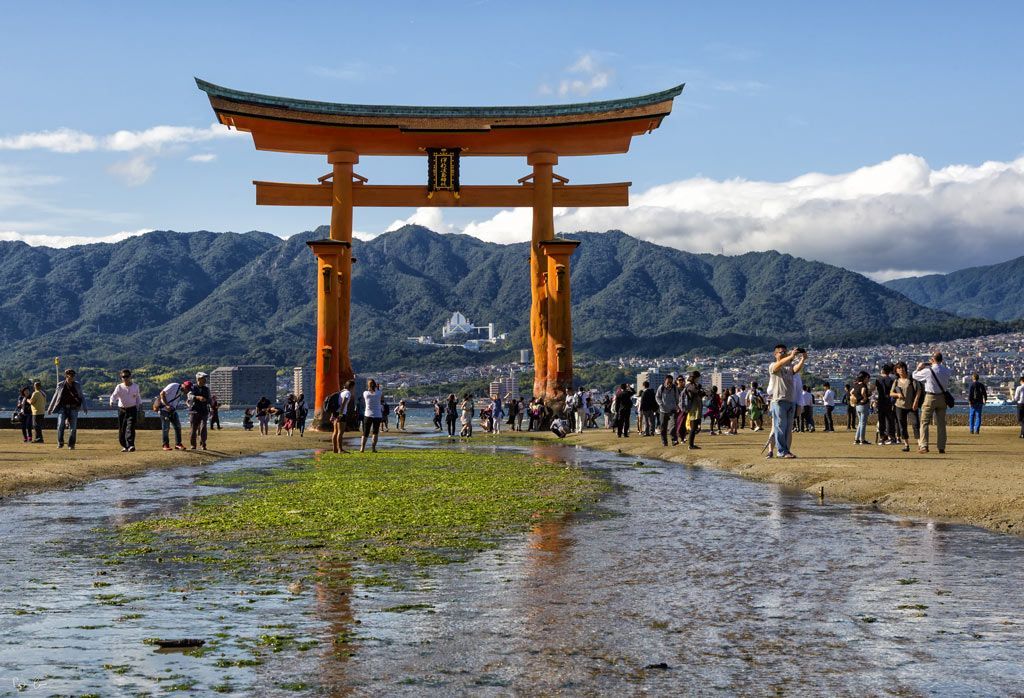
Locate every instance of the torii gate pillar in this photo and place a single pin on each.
(543, 231)
(329, 255)
(559, 330)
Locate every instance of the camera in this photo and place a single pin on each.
(801, 350)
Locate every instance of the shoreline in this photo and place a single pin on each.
(978, 481)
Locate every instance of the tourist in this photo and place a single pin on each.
(400, 415)
(385, 413)
(649, 409)
(886, 413)
(606, 408)
(692, 403)
(828, 399)
(714, 412)
(214, 412)
(468, 409)
(497, 413)
(166, 405)
(860, 398)
(667, 399)
(127, 399)
(1018, 398)
(906, 394)
(520, 409)
(560, 427)
(851, 409)
(736, 408)
(623, 405)
(681, 408)
(373, 414)
(301, 414)
(977, 394)
(756, 407)
(637, 413)
(438, 414)
(23, 411)
(290, 414)
(807, 411)
(451, 413)
(336, 409)
(38, 404)
(936, 378)
(198, 401)
(514, 410)
(68, 398)
(579, 404)
(783, 404)
(247, 424)
(279, 420)
(263, 406)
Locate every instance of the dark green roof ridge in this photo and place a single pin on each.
(311, 106)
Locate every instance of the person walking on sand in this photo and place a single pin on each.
(167, 403)
(667, 399)
(756, 407)
(1018, 398)
(783, 399)
(301, 413)
(372, 415)
(692, 399)
(336, 409)
(906, 394)
(936, 379)
(860, 398)
(451, 414)
(886, 413)
(828, 399)
(37, 403)
(127, 400)
(24, 412)
(977, 394)
(623, 405)
(198, 401)
(263, 415)
(68, 398)
(400, 412)
(214, 412)
(649, 408)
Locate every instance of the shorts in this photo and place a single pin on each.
(371, 424)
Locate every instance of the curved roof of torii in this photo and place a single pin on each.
(305, 126)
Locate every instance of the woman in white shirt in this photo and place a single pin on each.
(372, 414)
(1018, 397)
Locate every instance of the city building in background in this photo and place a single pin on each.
(506, 386)
(302, 381)
(458, 331)
(237, 387)
(652, 376)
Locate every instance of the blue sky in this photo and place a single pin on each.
(776, 92)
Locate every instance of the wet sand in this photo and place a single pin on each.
(33, 467)
(979, 480)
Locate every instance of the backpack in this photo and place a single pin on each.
(332, 403)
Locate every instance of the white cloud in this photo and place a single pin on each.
(897, 216)
(352, 71)
(588, 74)
(69, 240)
(883, 275)
(134, 171)
(65, 140)
(202, 157)
(62, 140)
(429, 217)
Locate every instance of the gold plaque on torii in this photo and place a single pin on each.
(443, 170)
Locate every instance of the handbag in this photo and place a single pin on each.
(945, 393)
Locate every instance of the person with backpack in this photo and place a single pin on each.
(166, 405)
(734, 409)
(290, 415)
(649, 409)
(336, 409)
(886, 414)
(68, 398)
(692, 403)
(301, 413)
(755, 407)
(667, 399)
(860, 399)
(576, 407)
(936, 379)
(977, 394)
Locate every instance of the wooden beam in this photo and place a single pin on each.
(414, 196)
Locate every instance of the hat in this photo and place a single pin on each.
(202, 374)
(186, 385)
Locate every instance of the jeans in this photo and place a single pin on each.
(126, 418)
(886, 421)
(862, 423)
(976, 419)
(198, 424)
(167, 420)
(934, 409)
(829, 425)
(67, 417)
(26, 427)
(782, 425)
(37, 421)
(450, 423)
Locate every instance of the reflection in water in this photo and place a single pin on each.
(333, 593)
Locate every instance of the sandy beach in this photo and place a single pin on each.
(32, 467)
(979, 480)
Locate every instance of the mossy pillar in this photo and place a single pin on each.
(543, 231)
(559, 350)
(341, 231)
(328, 258)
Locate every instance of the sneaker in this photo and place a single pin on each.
(124, 450)
(60, 445)
(942, 450)
(179, 447)
(923, 449)
(694, 448)
(131, 449)
(167, 448)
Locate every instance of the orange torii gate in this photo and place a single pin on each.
(344, 132)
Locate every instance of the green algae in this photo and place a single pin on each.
(421, 506)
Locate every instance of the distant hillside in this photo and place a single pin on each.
(995, 291)
(175, 299)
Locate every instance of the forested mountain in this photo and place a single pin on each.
(995, 291)
(178, 299)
